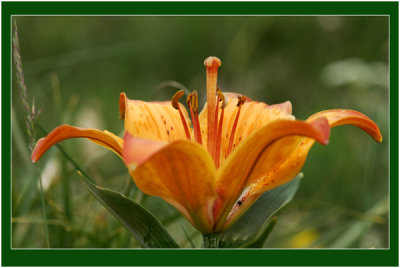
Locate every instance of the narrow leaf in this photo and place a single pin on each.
(245, 230)
(148, 231)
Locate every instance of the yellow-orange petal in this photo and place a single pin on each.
(285, 158)
(153, 120)
(183, 174)
(338, 117)
(103, 138)
(235, 173)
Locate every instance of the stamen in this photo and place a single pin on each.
(212, 64)
(221, 97)
(175, 104)
(192, 102)
(241, 100)
(216, 116)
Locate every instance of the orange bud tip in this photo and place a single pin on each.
(212, 62)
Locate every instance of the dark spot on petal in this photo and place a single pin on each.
(168, 132)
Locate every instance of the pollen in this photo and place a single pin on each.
(176, 98)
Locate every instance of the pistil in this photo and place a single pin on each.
(212, 64)
(241, 100)
(175, 104)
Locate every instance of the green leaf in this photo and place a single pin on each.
(245, 230)
(259, 241)
(148, 231)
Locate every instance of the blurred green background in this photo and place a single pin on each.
(75, 68)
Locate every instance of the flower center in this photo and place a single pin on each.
(214, 125)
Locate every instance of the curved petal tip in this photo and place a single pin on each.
(338, 117)
(63, 132)
(321, 124)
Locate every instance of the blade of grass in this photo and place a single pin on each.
(42, 200)
(31, 115)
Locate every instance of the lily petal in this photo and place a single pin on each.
(234, 175)
(285, 158)
(103, 138)
(338, 117)
(183, 174)
(152, 120)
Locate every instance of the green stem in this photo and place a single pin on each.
(211, 240)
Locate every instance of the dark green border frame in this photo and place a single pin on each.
(140, 257)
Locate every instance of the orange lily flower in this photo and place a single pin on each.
(214, 165)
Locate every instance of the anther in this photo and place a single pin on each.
(175, 104)
(221, 97)
(176, 97)
(241, 101)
